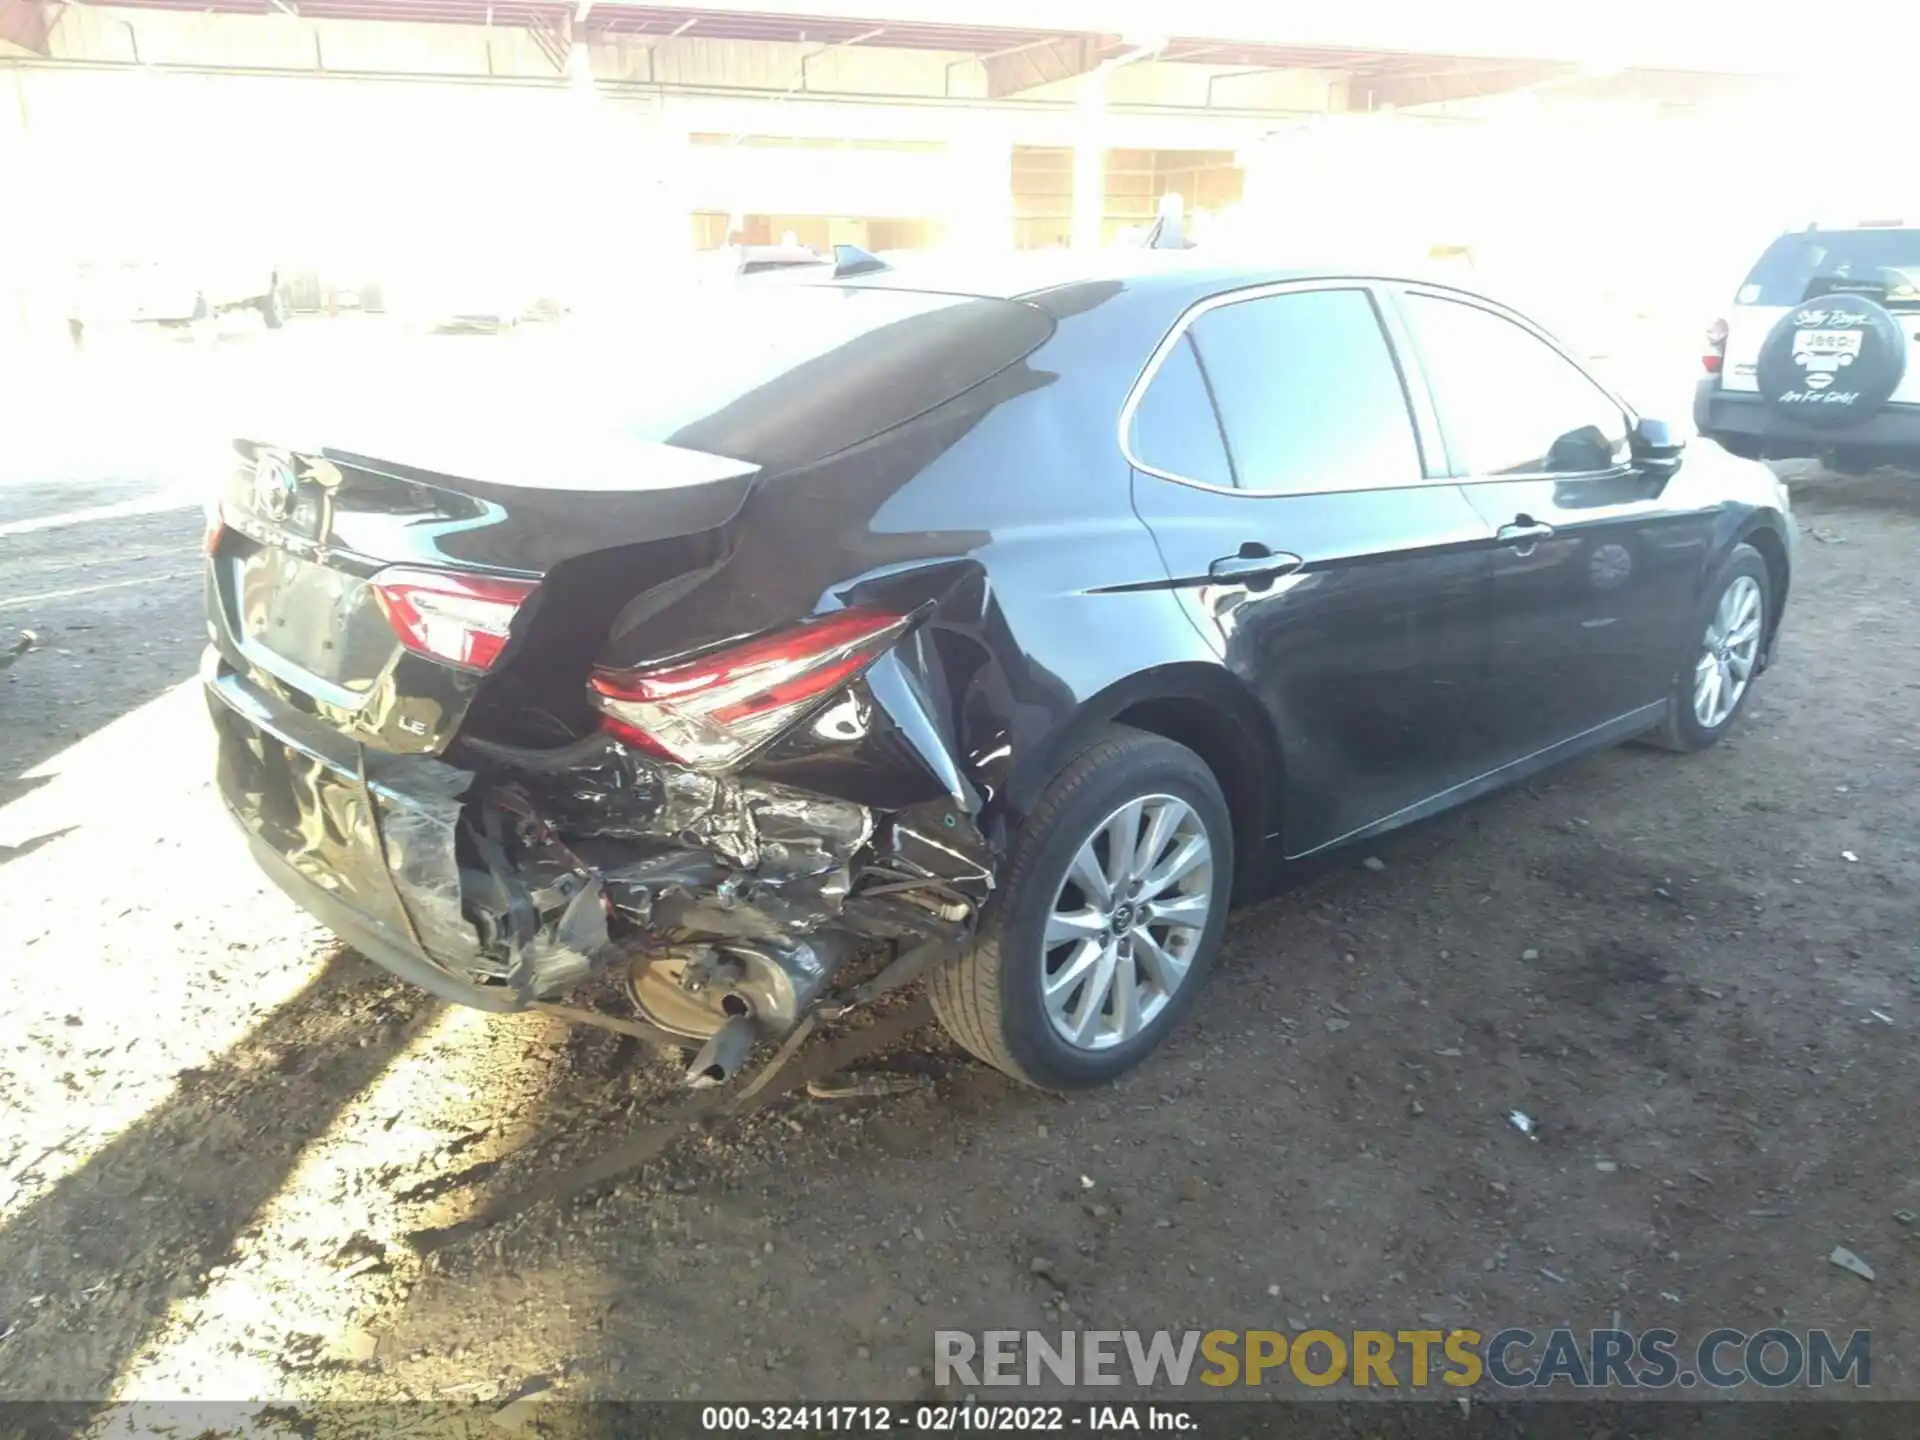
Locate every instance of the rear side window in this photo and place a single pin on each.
(1174, 428)
(1308, 393)
(1511, 404)
(1816, 262)
(781, 375)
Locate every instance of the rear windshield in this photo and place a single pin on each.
(1795, 265)
(782, 375)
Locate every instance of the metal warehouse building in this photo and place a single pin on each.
(357, 137)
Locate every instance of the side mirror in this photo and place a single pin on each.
(1657, 450)
(1582, 451)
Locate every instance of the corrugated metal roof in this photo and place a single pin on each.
(661, 20)
(670, 20)
(820, 29)
(441, 12)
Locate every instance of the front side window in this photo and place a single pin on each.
(1308, 393)
(1511, 404)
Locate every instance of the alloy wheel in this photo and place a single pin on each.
(1126, 922)
(1728, 653)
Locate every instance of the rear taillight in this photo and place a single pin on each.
(1716, 351)
(216, 526)
(462, 619)
(719, 708)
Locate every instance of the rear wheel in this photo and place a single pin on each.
(1109, 917)
(1712, 688)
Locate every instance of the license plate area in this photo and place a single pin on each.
(310, 625)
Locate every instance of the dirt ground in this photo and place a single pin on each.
(1700, 977)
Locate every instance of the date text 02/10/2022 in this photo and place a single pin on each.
(939, 1419)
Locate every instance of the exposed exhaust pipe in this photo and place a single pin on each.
(722, 1056)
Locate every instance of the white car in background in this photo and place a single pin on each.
(1818, 357)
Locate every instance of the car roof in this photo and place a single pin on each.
(1830, 225)
(1054, 278)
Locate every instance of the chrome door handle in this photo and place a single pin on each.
(1523, 532)
(1245, 568)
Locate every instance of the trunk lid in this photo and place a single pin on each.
(598, 464)
(1747, 329)
(307, 531)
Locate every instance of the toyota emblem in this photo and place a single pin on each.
(274, 487)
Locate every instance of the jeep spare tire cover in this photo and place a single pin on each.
(1832, 361)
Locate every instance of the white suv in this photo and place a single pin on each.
(1819, 356)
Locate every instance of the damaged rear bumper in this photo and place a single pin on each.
(384, 946)
(516, 875)
(295, 791)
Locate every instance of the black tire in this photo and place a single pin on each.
(989, 997)
(1742, 446)
(1682, 731)
(274, 308)
(1852, 462)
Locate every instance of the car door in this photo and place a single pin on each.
(1283, 466)
(1594, 575)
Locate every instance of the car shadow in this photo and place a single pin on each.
(91, 1269)
(27, 847)
(708, 1236)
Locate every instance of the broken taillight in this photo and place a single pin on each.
(719, 708)
(462, 619)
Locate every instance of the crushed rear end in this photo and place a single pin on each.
(480, 710)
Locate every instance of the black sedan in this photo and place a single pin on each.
(1005, 626)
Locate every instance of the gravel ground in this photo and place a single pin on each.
(1700, 977)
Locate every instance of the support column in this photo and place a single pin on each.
(1090, 160)
(619, 231)
(37, 258)
(584, 237)
(981, 214)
